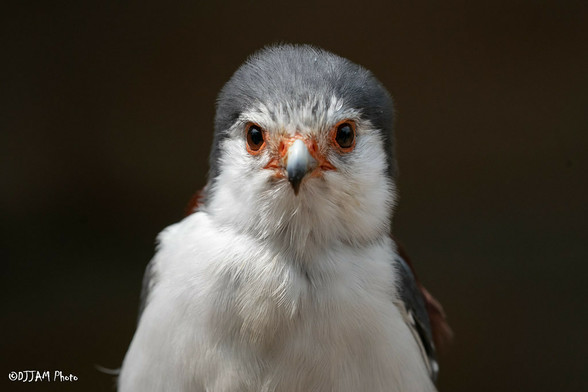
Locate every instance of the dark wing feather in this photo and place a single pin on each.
(423, 313)
(415, 312)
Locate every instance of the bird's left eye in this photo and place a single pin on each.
(255, 138)
(344, 136)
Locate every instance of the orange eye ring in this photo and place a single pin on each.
(343, 136)
(255, 138)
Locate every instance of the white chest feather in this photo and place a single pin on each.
(226, 315)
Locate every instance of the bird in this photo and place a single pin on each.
(284, 275)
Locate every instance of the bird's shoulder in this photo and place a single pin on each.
(176, 247)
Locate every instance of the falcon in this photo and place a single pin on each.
(284, 275)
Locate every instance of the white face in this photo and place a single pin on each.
(345, 193)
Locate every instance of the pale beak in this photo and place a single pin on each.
(299, 163)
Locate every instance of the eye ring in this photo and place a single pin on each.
(255, 136)
(343, 136)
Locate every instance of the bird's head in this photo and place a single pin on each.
(302, 150)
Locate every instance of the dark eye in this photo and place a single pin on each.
(255, 138)
(345, 136)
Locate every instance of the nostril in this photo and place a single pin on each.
(313, 148)
(282, 148)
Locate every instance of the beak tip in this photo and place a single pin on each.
(296, 187)
(295, 181)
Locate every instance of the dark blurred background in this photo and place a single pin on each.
(106, 122)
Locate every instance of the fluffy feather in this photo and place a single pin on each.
(251, 318)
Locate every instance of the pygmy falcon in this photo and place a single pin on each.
(284, 276)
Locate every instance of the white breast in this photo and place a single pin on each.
(227, 314)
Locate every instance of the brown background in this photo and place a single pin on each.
(106, 121)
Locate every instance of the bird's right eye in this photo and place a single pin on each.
(255, 139)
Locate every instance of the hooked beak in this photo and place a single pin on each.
(299, 163)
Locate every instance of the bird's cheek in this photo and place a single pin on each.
(277, 167)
